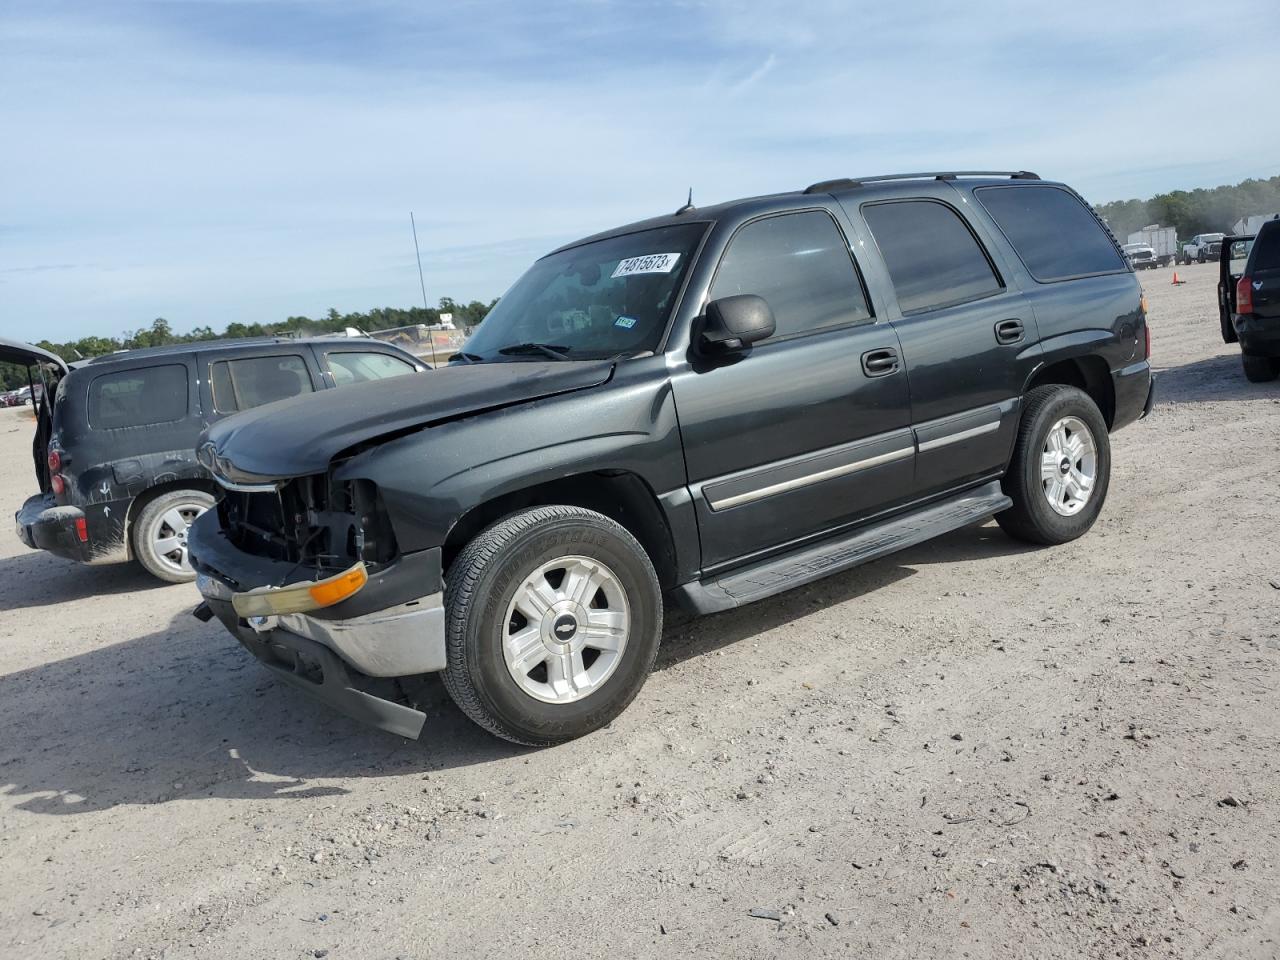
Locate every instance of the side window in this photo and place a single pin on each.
(1053, 232)
(349, 366)
(252, 381)
(138, 398)
(934, 259)
(800, 264)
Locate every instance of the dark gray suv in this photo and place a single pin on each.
(115, 453)
(718, 404)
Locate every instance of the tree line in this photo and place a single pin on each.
(160, 333)
(1211, 210)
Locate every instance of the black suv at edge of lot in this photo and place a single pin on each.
(115, 457)
(718, 405)
(1249, 301)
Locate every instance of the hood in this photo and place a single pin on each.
(26, 355)
(301, 435)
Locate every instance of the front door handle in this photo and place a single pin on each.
(881, 362)
(1009, 331)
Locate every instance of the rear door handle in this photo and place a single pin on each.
(881, 362)
(1009, 331)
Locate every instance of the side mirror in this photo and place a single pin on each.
(732, 323)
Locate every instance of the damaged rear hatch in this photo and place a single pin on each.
(44, 371)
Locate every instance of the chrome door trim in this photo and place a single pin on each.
(962, 435)
(807, 479)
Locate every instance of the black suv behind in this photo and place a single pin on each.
(719, 404)
(115, 457)
(1249, 302)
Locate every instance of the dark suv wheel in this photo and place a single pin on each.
(1259, 369)
(555, 615)
(1061, 467)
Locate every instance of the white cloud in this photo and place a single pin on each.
(242, 161)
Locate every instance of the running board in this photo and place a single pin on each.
(815, 562)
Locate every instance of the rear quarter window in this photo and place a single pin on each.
(138, 398)
(1056, 236)
(1266, 250)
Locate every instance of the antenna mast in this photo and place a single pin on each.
(423, 284)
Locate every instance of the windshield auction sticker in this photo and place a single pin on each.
(653, 263)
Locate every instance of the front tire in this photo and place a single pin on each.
(159, 535)
(554, 621)
(1061, 467)
(1259, 369)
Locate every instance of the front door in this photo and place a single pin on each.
(808, 430)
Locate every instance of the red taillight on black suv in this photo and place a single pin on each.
(1244, 295)
(55, 460)
(58, 484)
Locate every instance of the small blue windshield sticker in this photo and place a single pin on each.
(625, 322)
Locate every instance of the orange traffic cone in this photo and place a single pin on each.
(1176, 281)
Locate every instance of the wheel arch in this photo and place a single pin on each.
(620, 495)
(139, 502)
(1089, 373)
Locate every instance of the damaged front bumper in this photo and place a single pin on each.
(346, 654)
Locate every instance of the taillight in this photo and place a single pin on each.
(1244, 295)
(55, 461)
(82, 529)
(59, 485)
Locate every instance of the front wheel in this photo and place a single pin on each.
(554, 620)
(1061, 467)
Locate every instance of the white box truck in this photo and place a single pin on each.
(1163, 240)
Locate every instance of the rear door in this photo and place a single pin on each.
(963, 328)
(810, 429)
(249, 376)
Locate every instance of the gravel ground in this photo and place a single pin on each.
(972, 749)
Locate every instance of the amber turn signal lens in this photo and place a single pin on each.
(331, 591)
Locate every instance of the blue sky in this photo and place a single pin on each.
(218, 160)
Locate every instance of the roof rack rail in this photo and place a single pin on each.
(846, 183)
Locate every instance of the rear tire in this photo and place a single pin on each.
(1259, 369)
(159, 534)
(1061, 467)
(554, 621)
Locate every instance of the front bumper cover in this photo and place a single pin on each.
(348, 655)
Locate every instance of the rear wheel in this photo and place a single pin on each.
(159, 535)
(1061, 467)
(555, 615)
(1259, 369)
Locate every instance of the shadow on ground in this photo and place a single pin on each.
(1213, 378)
(39, 579)
(185, 713)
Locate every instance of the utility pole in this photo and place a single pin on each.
(423, 284)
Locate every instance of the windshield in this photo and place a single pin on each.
(601, 299)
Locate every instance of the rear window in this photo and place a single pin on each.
(1266, 249)
(252, 381)
(1054, 233)
(138, 398)
(350, 366)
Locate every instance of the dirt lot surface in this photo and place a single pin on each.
(973, 749)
